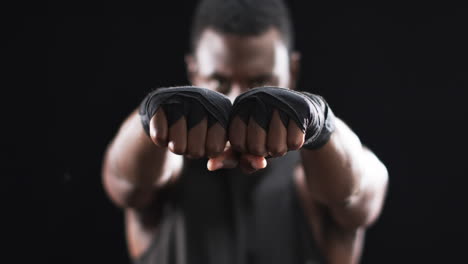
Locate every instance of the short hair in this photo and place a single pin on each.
(242, 17)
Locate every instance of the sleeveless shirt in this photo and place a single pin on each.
(227, 217)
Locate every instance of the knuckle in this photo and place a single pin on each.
(159, 139)
(294, 143)
(278, 151)
(234, 137)
(238, 146)
(214, 150)
(153, 137)
(257, 149)
(196, 154)
(179, 150)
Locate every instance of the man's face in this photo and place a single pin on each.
(232, 64)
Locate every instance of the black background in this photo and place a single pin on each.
(398, 78)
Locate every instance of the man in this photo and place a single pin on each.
(258, 187)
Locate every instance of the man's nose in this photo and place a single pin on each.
(236, 90)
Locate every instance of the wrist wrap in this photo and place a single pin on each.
(192, 102)
(310, 112)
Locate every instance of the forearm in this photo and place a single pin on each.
(334, 172)
(133, 165)
(346, 177)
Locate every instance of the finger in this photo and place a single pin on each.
(216, 140)
(196, 140)
(237, 134)
(158, 128)
(250, 163)
(178, 136)
(295, 136)
(256, 138)
(226, 160)
(277, 136)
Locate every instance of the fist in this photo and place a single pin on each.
(183, 118)
(269, 121)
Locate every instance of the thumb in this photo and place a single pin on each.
(226, 160)
(251, 163)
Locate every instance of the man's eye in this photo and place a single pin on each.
(258, 83)
(222, 85)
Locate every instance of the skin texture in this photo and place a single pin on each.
(341, 185)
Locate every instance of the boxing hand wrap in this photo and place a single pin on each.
(192, 102)
(310, 112)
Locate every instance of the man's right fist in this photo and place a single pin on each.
(183, 118)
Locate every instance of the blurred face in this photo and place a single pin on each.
(232, 64)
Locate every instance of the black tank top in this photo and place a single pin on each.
(227, 217)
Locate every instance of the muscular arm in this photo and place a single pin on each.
(342, 184)
(346, 186)
(137, 167)
(134, 166)
(133, 171)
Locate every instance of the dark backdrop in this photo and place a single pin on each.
(398, 78)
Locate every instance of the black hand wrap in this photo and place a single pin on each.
(192, 102)
(310, 112)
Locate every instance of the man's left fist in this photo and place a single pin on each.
(260, 121)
